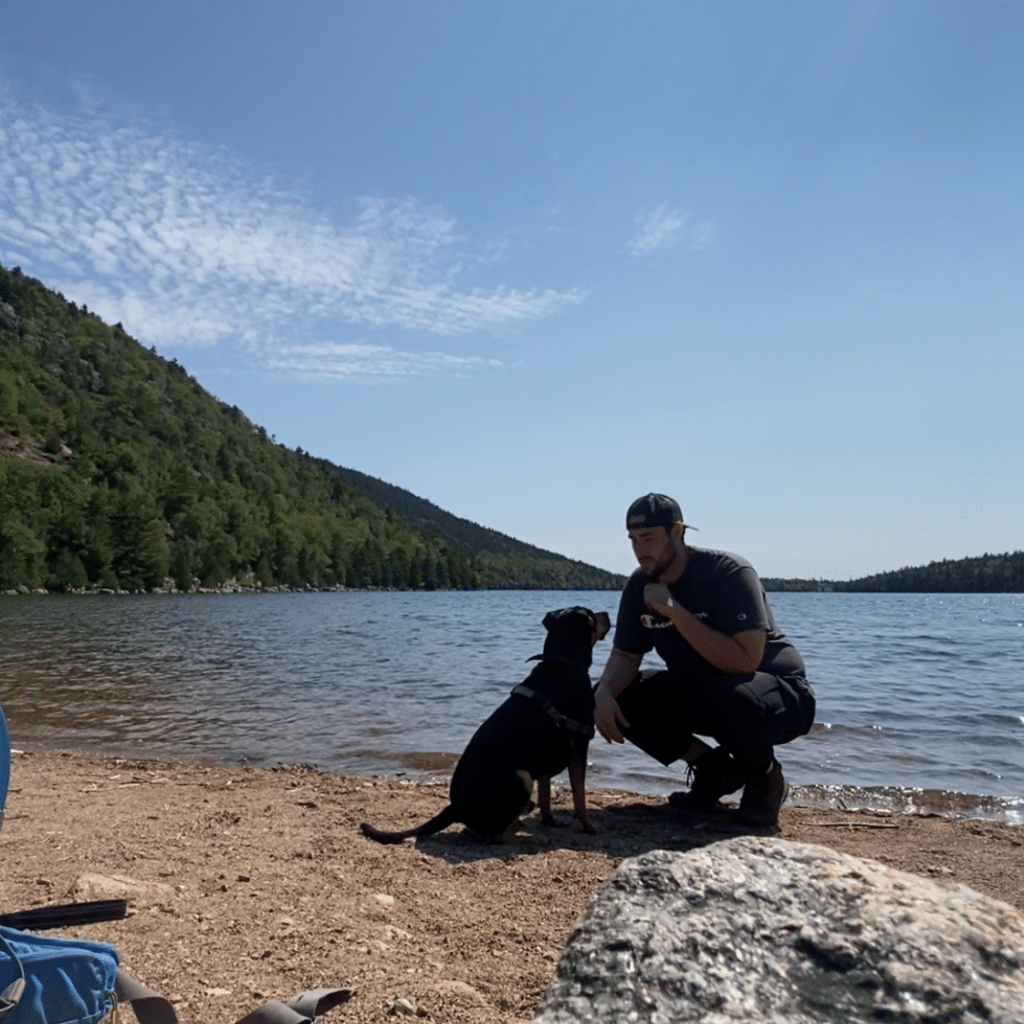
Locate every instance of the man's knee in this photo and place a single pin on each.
(783, 707)
(658, 724)
(796, 713)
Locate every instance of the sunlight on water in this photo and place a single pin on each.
(917, 694)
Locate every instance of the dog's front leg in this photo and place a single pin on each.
(577, 779)
(544, 799)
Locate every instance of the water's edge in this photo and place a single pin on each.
(432, 768)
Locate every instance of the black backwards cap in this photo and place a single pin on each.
(654, 510)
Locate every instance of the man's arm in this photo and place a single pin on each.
(736, 654)
(618, 673)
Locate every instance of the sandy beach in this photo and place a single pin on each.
(246, 884)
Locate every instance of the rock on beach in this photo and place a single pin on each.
(755, 929)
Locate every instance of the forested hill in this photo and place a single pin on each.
(118, 471)
(985, 574)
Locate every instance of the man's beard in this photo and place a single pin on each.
(661, 565)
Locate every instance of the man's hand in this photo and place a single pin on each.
(608, 717)
(620, 670)
(734, 653)
(658, 598)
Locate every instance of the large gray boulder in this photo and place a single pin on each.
(756, 929)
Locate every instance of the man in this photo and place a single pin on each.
(731, 675)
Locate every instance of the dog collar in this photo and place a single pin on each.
(562, 721)
(562, 658)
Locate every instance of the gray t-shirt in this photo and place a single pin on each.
(724, 592)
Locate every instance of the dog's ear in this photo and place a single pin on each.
(562, 615)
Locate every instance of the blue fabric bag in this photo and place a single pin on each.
(55, 981)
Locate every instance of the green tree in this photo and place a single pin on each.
(68, 572)
(22, 554)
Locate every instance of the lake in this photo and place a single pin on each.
(920, 696)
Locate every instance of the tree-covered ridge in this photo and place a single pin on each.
(118, 471)
(986, 574)
(429, 517)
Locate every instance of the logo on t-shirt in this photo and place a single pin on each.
(654, 622)
(649, 621)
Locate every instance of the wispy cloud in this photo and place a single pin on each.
(186, 245)
(329, 361)
(664, 228)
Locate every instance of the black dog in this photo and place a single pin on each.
(543, 728)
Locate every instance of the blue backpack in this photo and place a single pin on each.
(46, 980)
(59, 981)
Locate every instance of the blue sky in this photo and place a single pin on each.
(532, 260)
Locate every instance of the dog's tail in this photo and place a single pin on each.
(428, 828)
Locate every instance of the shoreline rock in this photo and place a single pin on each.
(786, 933)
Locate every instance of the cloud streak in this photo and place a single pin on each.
(663, 229)
(332, 361)
(185, 245)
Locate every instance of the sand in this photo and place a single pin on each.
(246, 884)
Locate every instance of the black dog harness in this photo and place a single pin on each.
(562, 721)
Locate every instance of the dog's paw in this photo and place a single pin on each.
(586, 824)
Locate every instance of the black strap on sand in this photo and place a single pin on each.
(152, 1008)
(65, 915)
(301, 1009)
(562, 721)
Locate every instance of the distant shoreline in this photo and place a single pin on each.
(238, 588)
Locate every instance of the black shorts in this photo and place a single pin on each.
(748, 714)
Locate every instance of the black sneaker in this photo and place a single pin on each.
(711, 776)
(762, 798)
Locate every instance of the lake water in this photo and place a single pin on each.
(920, 696)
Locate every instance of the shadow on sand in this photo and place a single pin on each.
(624, 829)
